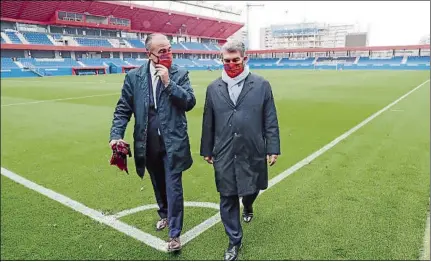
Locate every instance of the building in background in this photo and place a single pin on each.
(308, 35)
(240, 35)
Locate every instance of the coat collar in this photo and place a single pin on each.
(248, 85)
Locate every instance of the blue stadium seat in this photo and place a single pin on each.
(336, 59)
(37, 38)
(136, 62)
(297, 61)
(213, 47)
(195, 46)
(48, 62)
(8, 63)
(382, 61)
(206, 62)
(183, 62)
(262, 61)
(13, 37)
(136, 43)
(93, 42)
(177, 47)
(418, 60)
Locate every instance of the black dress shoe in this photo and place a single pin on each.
(231, 253)
(247, 214)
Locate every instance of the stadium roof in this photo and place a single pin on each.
(143, 18)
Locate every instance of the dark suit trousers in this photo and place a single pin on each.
(168, 190)
(230, 215)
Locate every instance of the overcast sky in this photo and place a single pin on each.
(389, 23)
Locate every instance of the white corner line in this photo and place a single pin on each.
(154, 206)
(59, 99)
(193, 233)
(133, 232)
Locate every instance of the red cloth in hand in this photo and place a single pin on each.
(120, 151)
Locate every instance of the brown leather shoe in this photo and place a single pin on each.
(174, 244)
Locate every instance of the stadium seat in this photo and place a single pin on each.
(380, 60)
(37, 38)
(93, 42)
(136, 43)
(8, 63)
(13, 37)
(177, 47)
(194, 46)
(261, 61)
(48, 62)
(418, 60)
(297, 61)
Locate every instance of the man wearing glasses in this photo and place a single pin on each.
(240, 136)
(159, 94)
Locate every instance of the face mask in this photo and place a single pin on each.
(165, 60)
(233, 70)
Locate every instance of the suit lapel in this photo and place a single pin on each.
(248, 85)
(222, 89)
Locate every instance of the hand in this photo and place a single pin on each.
(271, 159)
(114, 141)
(209, 159)
(163, 73)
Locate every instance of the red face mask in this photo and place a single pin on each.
(165, 60)
(233, 70)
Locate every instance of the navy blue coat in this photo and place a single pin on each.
(175, 100)
(239, 137)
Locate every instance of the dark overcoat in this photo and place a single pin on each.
(174, 101)
(239, 137)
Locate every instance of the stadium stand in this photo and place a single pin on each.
(8, 63)
(136, 43)
(49, 63)
(418, 60)
(13, 37)
(37, 38)
(194, 46)
(93, 42)
(383, 61)
(291, 61)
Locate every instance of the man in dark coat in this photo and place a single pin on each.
(240, 135)
(159, 94)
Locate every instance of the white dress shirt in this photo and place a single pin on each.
(155, 81)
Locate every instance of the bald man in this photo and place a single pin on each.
(159, 94)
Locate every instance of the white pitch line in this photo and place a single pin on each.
(60, 99)
(133, 232)
(194, 232)
(153, 206)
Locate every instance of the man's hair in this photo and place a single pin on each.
(149, 39)
(234, 46)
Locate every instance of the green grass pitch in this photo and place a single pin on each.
(365, 199)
